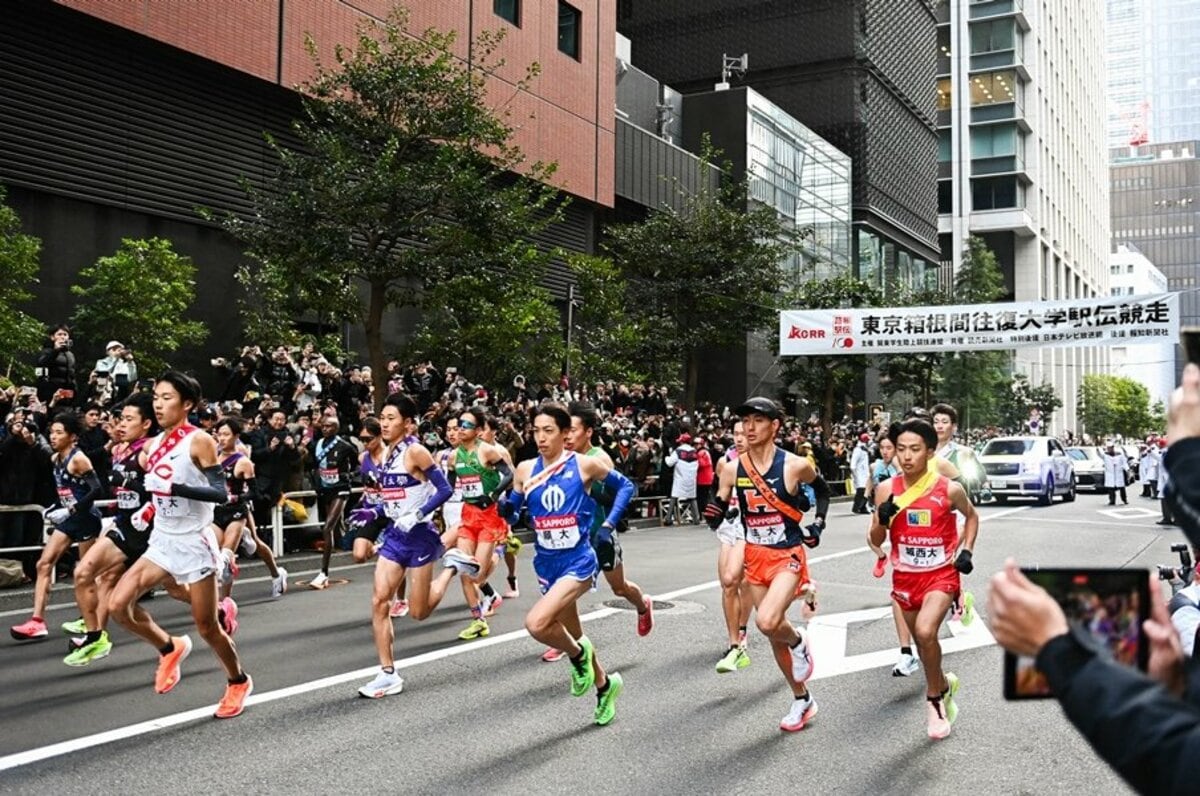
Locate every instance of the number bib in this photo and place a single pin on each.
(169, 506)
(66, 497)
(471, 486)
(329, 475)
(922, 556)
(765, 529)
(127, 499)
(557, 532)
(393, 501)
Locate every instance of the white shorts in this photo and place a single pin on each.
(731, 532)
(187, 557)
(452, 514)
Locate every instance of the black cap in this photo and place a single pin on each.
(759, 405)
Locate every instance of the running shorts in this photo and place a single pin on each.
(763, 564)
(129, 541)
(482, 526)
(608, 554)
(187, 557)
(371, 532)
(578, 563)
(80, 527)
(452, 514)
(910, 588)
(416, 548)
(226, 515)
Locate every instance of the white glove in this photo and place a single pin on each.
(409, 520)
(156, 484)
(58, 516)
(142, 518)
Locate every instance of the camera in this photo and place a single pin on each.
(1186, 569)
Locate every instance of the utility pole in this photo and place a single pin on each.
(570, 326)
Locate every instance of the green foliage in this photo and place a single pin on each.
(1110, 405)
(405, 187)
(609, 341)
(917, 374)
(20, 333)
(140, 295)
(1015, 401)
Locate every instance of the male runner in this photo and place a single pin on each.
(332, 460)
(771, 502)
(412, 488)
(512, 543)
(916, 511)
(185, 481)
(75, 520)
(736, 600)
(885, 469)
(554, 488)
(482, 471)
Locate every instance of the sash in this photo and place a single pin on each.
(547, 472)
(917, 490)
(168, 445)
(786, 509)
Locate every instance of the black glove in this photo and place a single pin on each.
(486, 502)
(887, 511)
(811, 534)
(371, 480)
(963, 563)
(802, 501)
(714, 512)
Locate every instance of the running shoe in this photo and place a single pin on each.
(743, 639)
(606, 703)
(808, 593)
(247, 544)
(229, 612)
(645, 620)
(384, 684)
(551, 655)
(513, 545)
(948, 699)
(399, 609)
(964, 608)
(477, 629)
(30, 631)
(321, 581)
(733, 660)
(279, 584)
(802, 660)
(582, 675)
(76, 627)
(169, 674)
(90, 652)
(801, 713)
(75, 642)
(230, 570)
(880, 567)
(513, 592)
(938, 722)
(906, 665)
(460, 562)
(234, 701)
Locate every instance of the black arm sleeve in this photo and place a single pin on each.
(506, 478)
(215, 492)
(1149, 736)
(94, 493)
(452, 477)
(821, 490)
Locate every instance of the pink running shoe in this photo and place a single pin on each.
(551, 655)
(32, 630)
(399, 609)
(229, 612)
(645, 621)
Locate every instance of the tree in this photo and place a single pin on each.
(705, 275)
(1015, 401)
(1114, 405)
(919, 373)
(140, 295)
(825, 377)
(406, 182)
(20, 333)
(608, 341)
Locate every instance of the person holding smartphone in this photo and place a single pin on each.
(56, 369)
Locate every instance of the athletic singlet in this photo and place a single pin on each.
(925, 534)
(128, 500)
(235, 486)
(443, 461)
(71, 488)
(174, 514)
(400, 491)
(595, 493)
(474, 479)
(371, 471)
(764, 525)
(559, 507)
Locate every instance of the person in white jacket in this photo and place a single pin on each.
(860, 474)
(683, 460)
(1116, 467)
(1148, 470)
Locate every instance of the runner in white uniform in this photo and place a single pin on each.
(736, 601)
(185, 482)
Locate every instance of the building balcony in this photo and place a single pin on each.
(1000, 59)
(991, 9)
(1016, 220)
(1002, 164)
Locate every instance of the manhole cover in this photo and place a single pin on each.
(622, 604)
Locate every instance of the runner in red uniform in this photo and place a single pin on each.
(916, 511)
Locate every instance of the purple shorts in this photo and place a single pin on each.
(418, 547)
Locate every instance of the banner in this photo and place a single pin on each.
(981, 327)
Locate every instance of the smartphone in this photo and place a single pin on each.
(1110, 604)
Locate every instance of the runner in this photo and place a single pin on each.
(233, 520)
(736, 600)
(885, 469)
(482, 471)
(332, 460)
(185, 482)
(452, 509)
(412, 489)
(771, 503)
(512, 542)
(916, 511)
(363, 540)
(75, 520)
(554, 487)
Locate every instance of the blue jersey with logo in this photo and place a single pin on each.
(560, 509)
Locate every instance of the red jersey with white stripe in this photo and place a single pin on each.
(924, 536)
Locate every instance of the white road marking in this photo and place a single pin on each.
(1129, 513)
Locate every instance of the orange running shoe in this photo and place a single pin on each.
(234, 701)
(169, 674)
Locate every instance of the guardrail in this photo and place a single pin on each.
(33, 508)
(278, 527)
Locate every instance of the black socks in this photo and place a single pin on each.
(487, 590)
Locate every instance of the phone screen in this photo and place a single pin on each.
(1110, 604)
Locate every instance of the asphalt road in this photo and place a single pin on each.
(488, 716)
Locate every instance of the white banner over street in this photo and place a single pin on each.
(1108, 321)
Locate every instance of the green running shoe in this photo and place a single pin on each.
(75, 627)
(606, 703)
(582, 675)
(733, 660)
(948, 700)
(968, 608)
(90, 652)
(477, 629)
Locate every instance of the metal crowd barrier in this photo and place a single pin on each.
(32, 508)
(315, 521)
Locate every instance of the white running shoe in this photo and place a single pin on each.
(802, 661)
(488, 605)
(801, 713)
(383, 685)
(279, 584)
(248, 545)
(906, 665)
(460, 562)
(321, 581)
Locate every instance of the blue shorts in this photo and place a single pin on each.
(417, 548)
(80, 527)
(579, 563)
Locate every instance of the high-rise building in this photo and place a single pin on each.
(856, 74)
(1130, 273)
(1023, 164)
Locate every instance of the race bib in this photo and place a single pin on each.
(766, 529)
(329, 475)
(66, 497)
(393, 501)
(557, 532)
(128, 500)
(472, 486)
(169, 506)
(923, 556)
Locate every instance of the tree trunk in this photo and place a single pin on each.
(374, 332)
(693, 380)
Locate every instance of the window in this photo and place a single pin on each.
(994, 141)
(944, 100)
(994, 193)
(508, 9)
(945, 196)
(569, 22)
(993, 88)
(987, 37)
(1114, 269)
(944, 145)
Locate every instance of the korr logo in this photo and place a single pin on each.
(806, 334)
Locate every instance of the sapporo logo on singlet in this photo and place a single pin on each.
(918, 518)
(553, 498)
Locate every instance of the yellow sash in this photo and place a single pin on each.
(914, 492)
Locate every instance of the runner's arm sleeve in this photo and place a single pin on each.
(452, 477)
(214, 492)
(510, 507)
(624, 491)
(94, 493)
(821, 490)
(506, 478)
(441, 486)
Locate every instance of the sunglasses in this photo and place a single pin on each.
(467, 424)
(367, 438)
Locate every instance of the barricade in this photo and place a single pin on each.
(278, 527)
(31, 508)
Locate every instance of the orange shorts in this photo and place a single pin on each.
(764, 563)
(910, 588)
(482, 526)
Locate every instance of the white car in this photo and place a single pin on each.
(1089, 467)
(1035, 467)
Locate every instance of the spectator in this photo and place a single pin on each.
(275, 457)
(94, 441)
(241, 384)
(684, 465)
(704, 472)
(1116, 469)
(25, 479)
(114, 375)
(56, 369)
(281, 376)
(860, 474)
